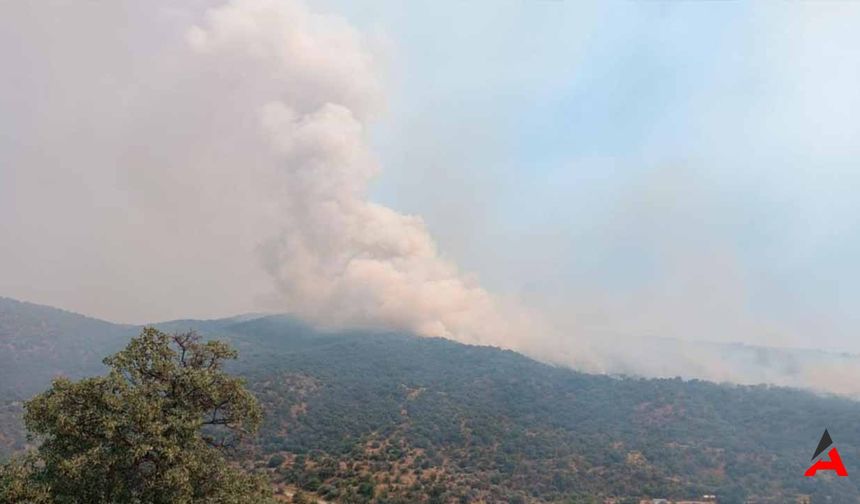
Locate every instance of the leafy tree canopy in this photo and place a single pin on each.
(153, 430)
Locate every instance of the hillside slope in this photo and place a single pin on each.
(38, 342)
(384, 417)
(417, 417)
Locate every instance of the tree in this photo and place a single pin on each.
(17, 483)
(155, 429)
(276, 460)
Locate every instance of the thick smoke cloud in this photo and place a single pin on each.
(206, 160)
(337, 258)
(213, 160)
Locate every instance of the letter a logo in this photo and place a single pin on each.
(833, 464)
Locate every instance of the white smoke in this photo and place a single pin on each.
(338, 259)
(201, 166)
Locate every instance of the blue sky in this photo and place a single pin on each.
(679, 153)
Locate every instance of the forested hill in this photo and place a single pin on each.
(38, 342)
(361, 417)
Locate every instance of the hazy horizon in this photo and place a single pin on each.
(558, 178)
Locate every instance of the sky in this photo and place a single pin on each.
(686, 166)
(537, 175)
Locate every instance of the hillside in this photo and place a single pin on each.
(38, 342)
(384, 417)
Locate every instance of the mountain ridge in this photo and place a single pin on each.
(369, 416)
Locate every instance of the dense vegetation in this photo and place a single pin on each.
(371, 417)
(153, 430)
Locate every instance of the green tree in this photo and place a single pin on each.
(276, 460)
(154, 430)
(17, 483)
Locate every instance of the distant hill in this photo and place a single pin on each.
(38, 342)
(359, 416)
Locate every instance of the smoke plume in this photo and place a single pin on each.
(335, 257)
(204, 161)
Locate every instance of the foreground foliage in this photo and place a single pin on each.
(153, 430)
